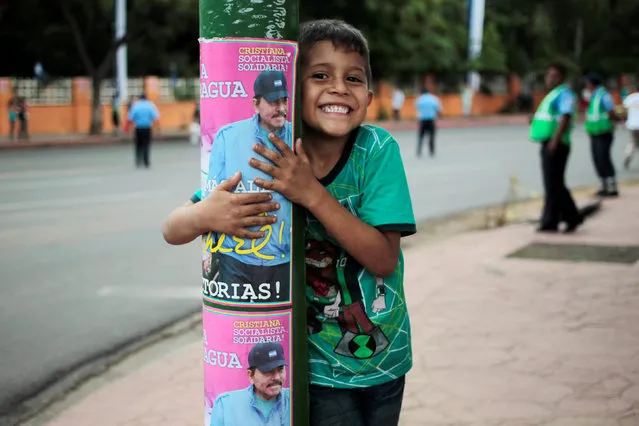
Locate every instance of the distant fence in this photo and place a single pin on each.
(59, 91)
(449, 84)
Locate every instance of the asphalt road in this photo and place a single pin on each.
(84, 268)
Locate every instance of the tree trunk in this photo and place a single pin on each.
(96, 106)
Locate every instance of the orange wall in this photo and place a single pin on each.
(61, 119)
(75, 118)
(173, 116)
(452, 105)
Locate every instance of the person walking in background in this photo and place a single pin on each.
(143, 115)
(551, 127)
(600, 118)
(428, 108)
(129, 106)
(631, 105)
(12, 108)
(23, 118)
(40, 76)
(115, 113)
(398, 102)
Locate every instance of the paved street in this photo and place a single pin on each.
(84, 268)
(473, 167)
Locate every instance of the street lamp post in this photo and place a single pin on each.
(476, 12)
(256, 309)
(121, 54)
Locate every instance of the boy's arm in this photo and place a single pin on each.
(223, 212)
(372, 241)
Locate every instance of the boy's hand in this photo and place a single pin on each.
(292, 173)
(228, 213)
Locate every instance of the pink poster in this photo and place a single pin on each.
(247, 359)
(247, 91)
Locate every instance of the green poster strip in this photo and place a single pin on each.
(254, 309)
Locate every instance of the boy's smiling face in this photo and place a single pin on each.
(335, 93)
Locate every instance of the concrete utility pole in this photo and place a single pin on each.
(248, 48)
(121, 54)
(476, 12)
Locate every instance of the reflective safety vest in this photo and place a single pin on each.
(546, 119)
(597, 120)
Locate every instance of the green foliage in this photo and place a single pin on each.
(186, 92)
(163, 32)
(407, 37)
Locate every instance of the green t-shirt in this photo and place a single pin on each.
(359, 331)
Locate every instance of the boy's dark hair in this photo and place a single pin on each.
(561, 68)
(339, 33)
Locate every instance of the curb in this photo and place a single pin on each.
(88, 142)
(36, 402)
(479, 218)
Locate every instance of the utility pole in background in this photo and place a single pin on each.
(121, 72)
(476, 12)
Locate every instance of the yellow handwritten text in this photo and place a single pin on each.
(255, 248)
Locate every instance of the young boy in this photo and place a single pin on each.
(351, 180)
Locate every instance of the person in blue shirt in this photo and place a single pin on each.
(143, 114)
(266, 260)
(428, 108)
(600, 121)
(265, 402)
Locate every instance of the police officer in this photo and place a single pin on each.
(551, 127)
(265, 261)
(600, 118)
(144, 115)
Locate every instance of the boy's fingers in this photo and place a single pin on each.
(266, 184)
(255, 209)
(251, 198)
(258, 221)
(230, 183)
(267, 153)
(280, 144)
(260, 165)
(299, 149)
(252, 235)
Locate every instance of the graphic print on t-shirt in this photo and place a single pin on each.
(334, 293)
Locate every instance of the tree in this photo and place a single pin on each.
(407, 38)
(152, 21)
(161, 33)
(96, 69)
(584, 34)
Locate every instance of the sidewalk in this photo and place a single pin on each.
(78, 139)
(497, 341)
(75, 140)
